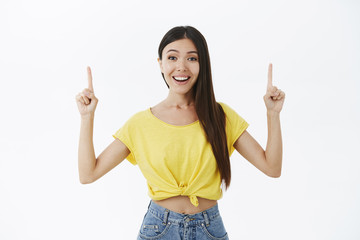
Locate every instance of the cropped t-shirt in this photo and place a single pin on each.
(177, 160)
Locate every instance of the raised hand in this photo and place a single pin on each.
(274, 97)
(86, 100)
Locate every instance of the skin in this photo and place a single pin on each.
(179, 109)
(179, 59)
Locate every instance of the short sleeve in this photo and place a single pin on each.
(124, 134)
(235, 126)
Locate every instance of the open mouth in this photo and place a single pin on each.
(181, 79)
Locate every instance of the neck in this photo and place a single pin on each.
(180, 100)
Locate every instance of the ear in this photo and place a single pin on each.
(160, 64)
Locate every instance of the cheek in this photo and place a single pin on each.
(195, 69)
(166, 67)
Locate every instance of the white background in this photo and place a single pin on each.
(45, 47)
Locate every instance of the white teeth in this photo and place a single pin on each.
(181, 78)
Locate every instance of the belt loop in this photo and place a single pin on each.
(166, 214)
(206, 218)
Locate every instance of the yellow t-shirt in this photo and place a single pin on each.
(177, 160)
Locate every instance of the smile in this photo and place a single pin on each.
(181, 79)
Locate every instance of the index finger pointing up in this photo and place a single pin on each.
(91, 88)
(270, 76)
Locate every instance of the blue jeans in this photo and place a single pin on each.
(161, 223)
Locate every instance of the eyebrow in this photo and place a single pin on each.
(174, 50)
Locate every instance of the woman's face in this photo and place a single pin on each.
(180, 65)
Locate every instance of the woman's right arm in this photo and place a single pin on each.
(90, 168)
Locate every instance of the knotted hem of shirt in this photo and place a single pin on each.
(193, 199)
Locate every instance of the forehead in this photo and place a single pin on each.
(182, 45)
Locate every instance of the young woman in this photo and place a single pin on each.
(182, 145)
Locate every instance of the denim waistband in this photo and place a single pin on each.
(167, 215)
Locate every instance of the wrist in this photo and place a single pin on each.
(89, 116)
(273, 114)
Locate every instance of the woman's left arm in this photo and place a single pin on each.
(270, 160)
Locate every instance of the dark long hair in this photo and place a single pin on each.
(210, 113)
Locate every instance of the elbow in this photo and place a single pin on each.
(86, 180)
(274, 169)
(274, 173)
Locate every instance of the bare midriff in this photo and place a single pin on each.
(182, 204)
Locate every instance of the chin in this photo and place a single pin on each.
(180, 92)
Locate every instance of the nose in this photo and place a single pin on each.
(181, 65)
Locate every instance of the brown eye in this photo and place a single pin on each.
(172, 58)
(193, 59)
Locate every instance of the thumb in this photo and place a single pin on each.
(93, 100)
(90, 95)
(267, 95)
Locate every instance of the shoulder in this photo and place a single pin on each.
(231, 114)
(158, 108)
(138, 117)
(227, 109)
(223, 105)
(235, 124)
